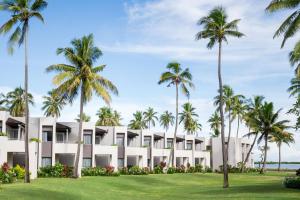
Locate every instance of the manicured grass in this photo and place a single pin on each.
(165, 187)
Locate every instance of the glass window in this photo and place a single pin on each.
(120, 162)
(120, 140)
(169, 143)
(14, 134)
(87, 139)
(1, 127)
(47, 136)
(46, 162)
(189, 145)
(87, 162)
(147, 141)
(60, 137)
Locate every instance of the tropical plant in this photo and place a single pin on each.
(81, 77)
(238, 111)
(296, 111)
(53, 104)
(189, 119)
(84, 117)
(22, 11)
(279, 138)
(216, 29)
(138, 123)
(294, 89)
(108, 117)
(181, 79)
(16, 102)
(150, 117)
(166, 120)
(3, 102)
(215, 123)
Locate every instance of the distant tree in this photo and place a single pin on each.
(3, 101)
(85, 118)
(189, 119)
(53, 104)
(108, 117)
(166, 120)
(138, 123)
(296, 111)
(215, 124)
(150, 117)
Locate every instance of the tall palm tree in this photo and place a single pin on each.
(53, 104)
(192, 127)
(16, 102)
(296, 111)
(215, 123)
(189, 118)
(85, 118)
(150, 117)
(290, 26)
(22, 11)
(267, 124)
(139, 122)
(216, 29)
(279, 138)
(181, 79)
(3, 101)
(238, 111)
(294, 57)
(81, 77)
(166, 120)
(108, 117)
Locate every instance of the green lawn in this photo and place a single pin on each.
(164, 187)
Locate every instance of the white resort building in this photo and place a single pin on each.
(103, 146)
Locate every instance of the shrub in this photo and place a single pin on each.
(298, 172)
(135, 170)
(198, 168)
(3, 134)
(19, 171)
(158, 170)
(58, 170)
(191, 170)
(171, 170)
(180, 169)
(7, 175)
(98, 171)
(292, 182)
(208, 169)
(123, 170)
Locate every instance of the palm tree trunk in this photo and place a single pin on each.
(229, 132)
(26, 138)
(238, 127)
(77, 168)
(265, 156)
(249, 152)
(225, 170)
(279, 158)
(175, 132)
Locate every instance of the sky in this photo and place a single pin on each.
(139, 38)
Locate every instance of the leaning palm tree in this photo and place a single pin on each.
(108, 117)
(53, 104)
(166, 120)
(181, 79)
(290, 26)
(216, 28)
(16, 102)
(189, 119)
(139, 122)
(22, 11)
(85, 118)
(215, 123)
(279, 138)
(80, 77)
(150, 117)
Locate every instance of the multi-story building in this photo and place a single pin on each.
(102, 146)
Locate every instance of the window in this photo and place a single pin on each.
(87, 139)
(120, 140)
(169, 143)
(189, 145)
(87, 162)
(46, 162)
(147, 141)
(60, 137)
(13, 134)
(0, 126)
(47, 136)
(120, 162)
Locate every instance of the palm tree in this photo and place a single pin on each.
(81, 77)
(192, 127)
(279, 138)
(22, 11)
(294, 57)
(150, 117)
(85, 118)
(3, 101)
(16, 102)
(238, 111)
(53, 104)
(290, 26)
(217, 29)
(166, 120)
(296, 111)
(189, 118)
(215, 123)
(108, 117)
(138, 123)
(180, 79)
(267, 124)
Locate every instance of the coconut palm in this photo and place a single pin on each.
(238, 111)
(85, 118)
(296, 111)
(181, 79)
(291, 25)
(216, 29)
(80, 77)
(294, 58)
(166, 120)
(16, 102)
(139, 122)
(3, 101)
(215, 123)
(189, 119)
(279, 138)
(192, 127)
(294, 89)
(108, 117)
(150, 117)
(53, 104)
(22, 11)
(267, 124)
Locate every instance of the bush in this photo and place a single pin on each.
(198, 168)
(3, 134)
(58, 170)
(135, 170)
(19, 171)
(171, 170)
(180, 169)
(7, 175)
(190, 170)
(123, 171)
(298, 172)
(98, 171)
(158, 170)
(208, 169)
(292, 182)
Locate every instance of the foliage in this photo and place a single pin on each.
(296, 111)
(189, 118)
(108, 117)
(58, 170)
(7, 175)
(298, 172)
(135, 170)
(215, 124)
(233, 169)
(171, 170)
(150, 117)
(158, 170)
(19, 171)
(198, 168)
(53, 104)
(85, 118)
(98, 171)
(292, 182)
(138, 122)
(3, 134)
(166, 120)
(180, 169)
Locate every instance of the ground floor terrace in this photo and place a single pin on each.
(152, 187)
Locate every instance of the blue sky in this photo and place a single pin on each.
(139, 38)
